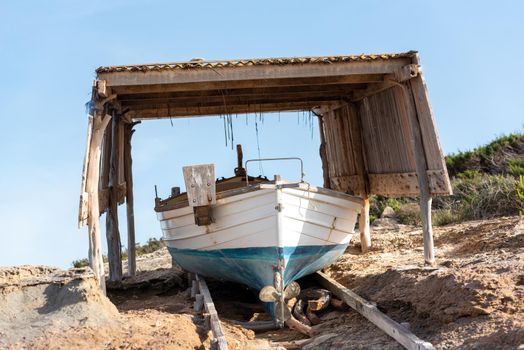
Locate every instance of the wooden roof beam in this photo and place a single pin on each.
(333, 88)
(208, 75)
(248, 99)
(246, 84)
(219, 102)
(176, 112)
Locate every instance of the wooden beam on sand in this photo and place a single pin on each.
(370, 311)
(114, 253)
(211, 314)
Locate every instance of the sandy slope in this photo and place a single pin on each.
(472, 299)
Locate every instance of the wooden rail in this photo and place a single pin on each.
(395, 330)
(200, 292)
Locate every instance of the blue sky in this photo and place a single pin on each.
(471, 54)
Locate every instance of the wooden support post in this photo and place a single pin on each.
(114, 254)
(194, 288)
(363, 224)
(128, 175)
(421, 166)
(199, 302)
(98, 125)
(323, 153)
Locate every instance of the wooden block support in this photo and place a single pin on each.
(201, 191)
(363, 224)
(200, 184)
(199, 302)
(114, 253)
(194, 288)
(370, 311)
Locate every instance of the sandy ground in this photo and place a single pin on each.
(472, 298)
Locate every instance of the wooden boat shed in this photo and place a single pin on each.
(378, 133)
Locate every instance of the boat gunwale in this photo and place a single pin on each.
(270, 185)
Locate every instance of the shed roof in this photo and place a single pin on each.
(373, 108)
(201, 63)
(247, 85)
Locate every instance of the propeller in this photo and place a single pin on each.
(282, 312)
(269, 294)
(292, 290)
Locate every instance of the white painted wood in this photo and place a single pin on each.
(267, 217)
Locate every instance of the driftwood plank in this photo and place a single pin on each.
(84, 206)
(395, 330)
(96, 263)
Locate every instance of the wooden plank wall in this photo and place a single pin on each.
(387, 133)
(369, 146)
(343, 144)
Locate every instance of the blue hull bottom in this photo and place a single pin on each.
(255, 267)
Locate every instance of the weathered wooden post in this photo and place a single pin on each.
(363, 224)
(421, 169)
(114, 254)
(97, 126)
(323, 152)
(128, 175)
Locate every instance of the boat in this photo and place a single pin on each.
(262, 233)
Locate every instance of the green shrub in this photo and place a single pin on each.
(520, 193)
(150, 246)
(80, 263)
(468, 174)
(409, 214)
(484, 197)
(491, 158)
(475, 196)
(441, 217)
(379, 203)
(516, 167)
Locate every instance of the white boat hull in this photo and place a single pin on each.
(296, 229)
